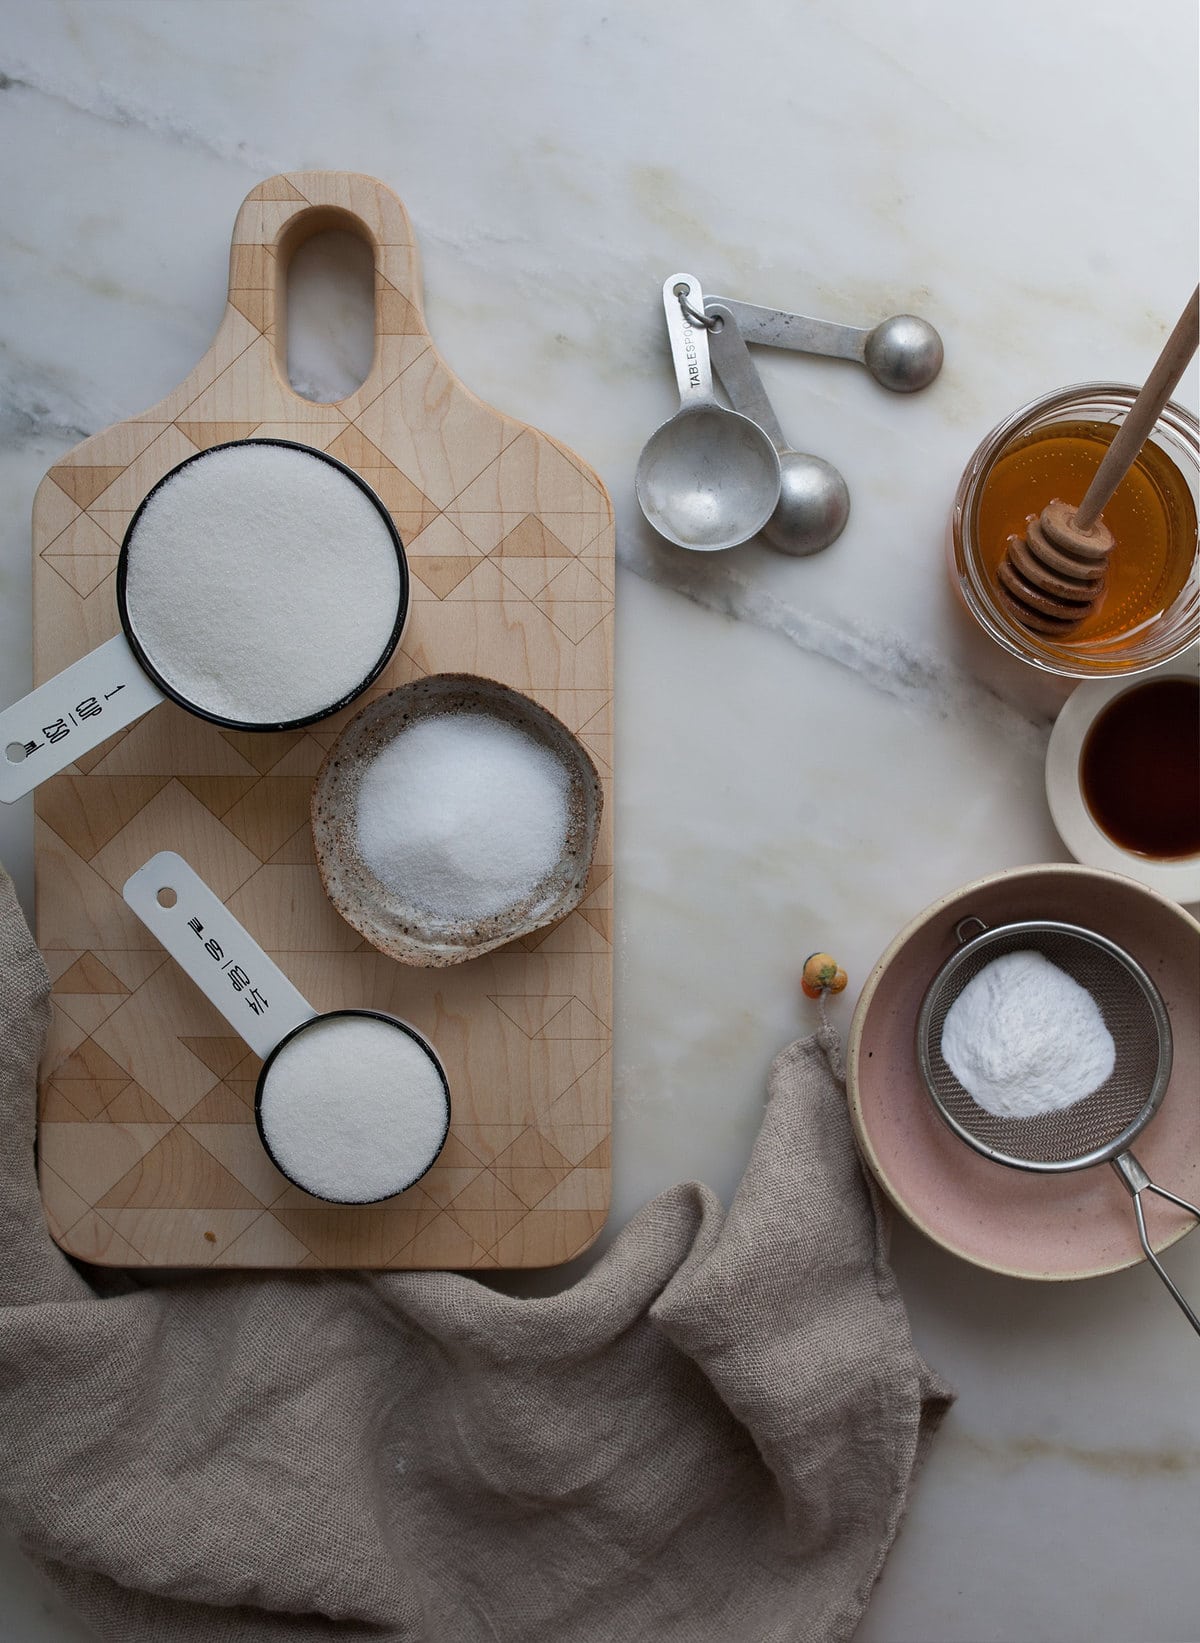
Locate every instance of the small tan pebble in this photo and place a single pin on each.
(821, 974)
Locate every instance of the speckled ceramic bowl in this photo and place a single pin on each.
(383, 915)
(1075, 1225)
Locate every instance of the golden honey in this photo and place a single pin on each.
(1152, 516)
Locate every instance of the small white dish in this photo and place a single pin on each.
(1178, 879)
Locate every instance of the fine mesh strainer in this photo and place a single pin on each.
(1102, 1127)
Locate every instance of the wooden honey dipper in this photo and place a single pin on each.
(1053, 577)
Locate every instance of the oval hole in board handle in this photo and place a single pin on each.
(71, 714)
(329, 315)
(216, 952)
(337, 203)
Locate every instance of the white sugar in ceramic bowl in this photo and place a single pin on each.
(388, 917)
(1178, 879)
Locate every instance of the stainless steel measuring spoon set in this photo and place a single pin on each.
(710, 477)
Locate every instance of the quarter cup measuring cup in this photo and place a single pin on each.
(247, 987)
(115, 684)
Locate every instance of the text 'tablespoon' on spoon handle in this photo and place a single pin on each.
(689, 341)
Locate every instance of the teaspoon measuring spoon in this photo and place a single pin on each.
(903, 353)
(709, 477)
(814, 503)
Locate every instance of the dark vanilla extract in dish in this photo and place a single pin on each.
(1140, 769)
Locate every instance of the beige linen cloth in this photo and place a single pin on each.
(712, 1435)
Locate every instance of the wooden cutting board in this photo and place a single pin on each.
(148, 1153)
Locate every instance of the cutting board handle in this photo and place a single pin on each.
(278, 216)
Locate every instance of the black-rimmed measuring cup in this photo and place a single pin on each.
(115, 684)
(265, 1009)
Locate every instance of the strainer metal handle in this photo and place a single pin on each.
(1136, 1181)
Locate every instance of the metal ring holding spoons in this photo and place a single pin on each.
(708, 478)
(814, 503)
(696, 315)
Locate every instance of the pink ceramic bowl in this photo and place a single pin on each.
(1076, 1225)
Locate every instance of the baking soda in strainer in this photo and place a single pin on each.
(1024, 1039)
(263, 583)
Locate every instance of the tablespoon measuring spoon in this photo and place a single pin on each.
(814, 503)
(709, 477)
(903, 353)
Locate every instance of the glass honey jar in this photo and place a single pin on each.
(1051, 448)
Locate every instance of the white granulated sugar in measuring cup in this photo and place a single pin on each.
(463, 815)
(353, 1108)
(1023, 1038)
(263, 583)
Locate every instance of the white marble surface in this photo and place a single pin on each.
(808, 751)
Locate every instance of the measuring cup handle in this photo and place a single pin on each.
(689, 342)
(208, 943)
(71, 714)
